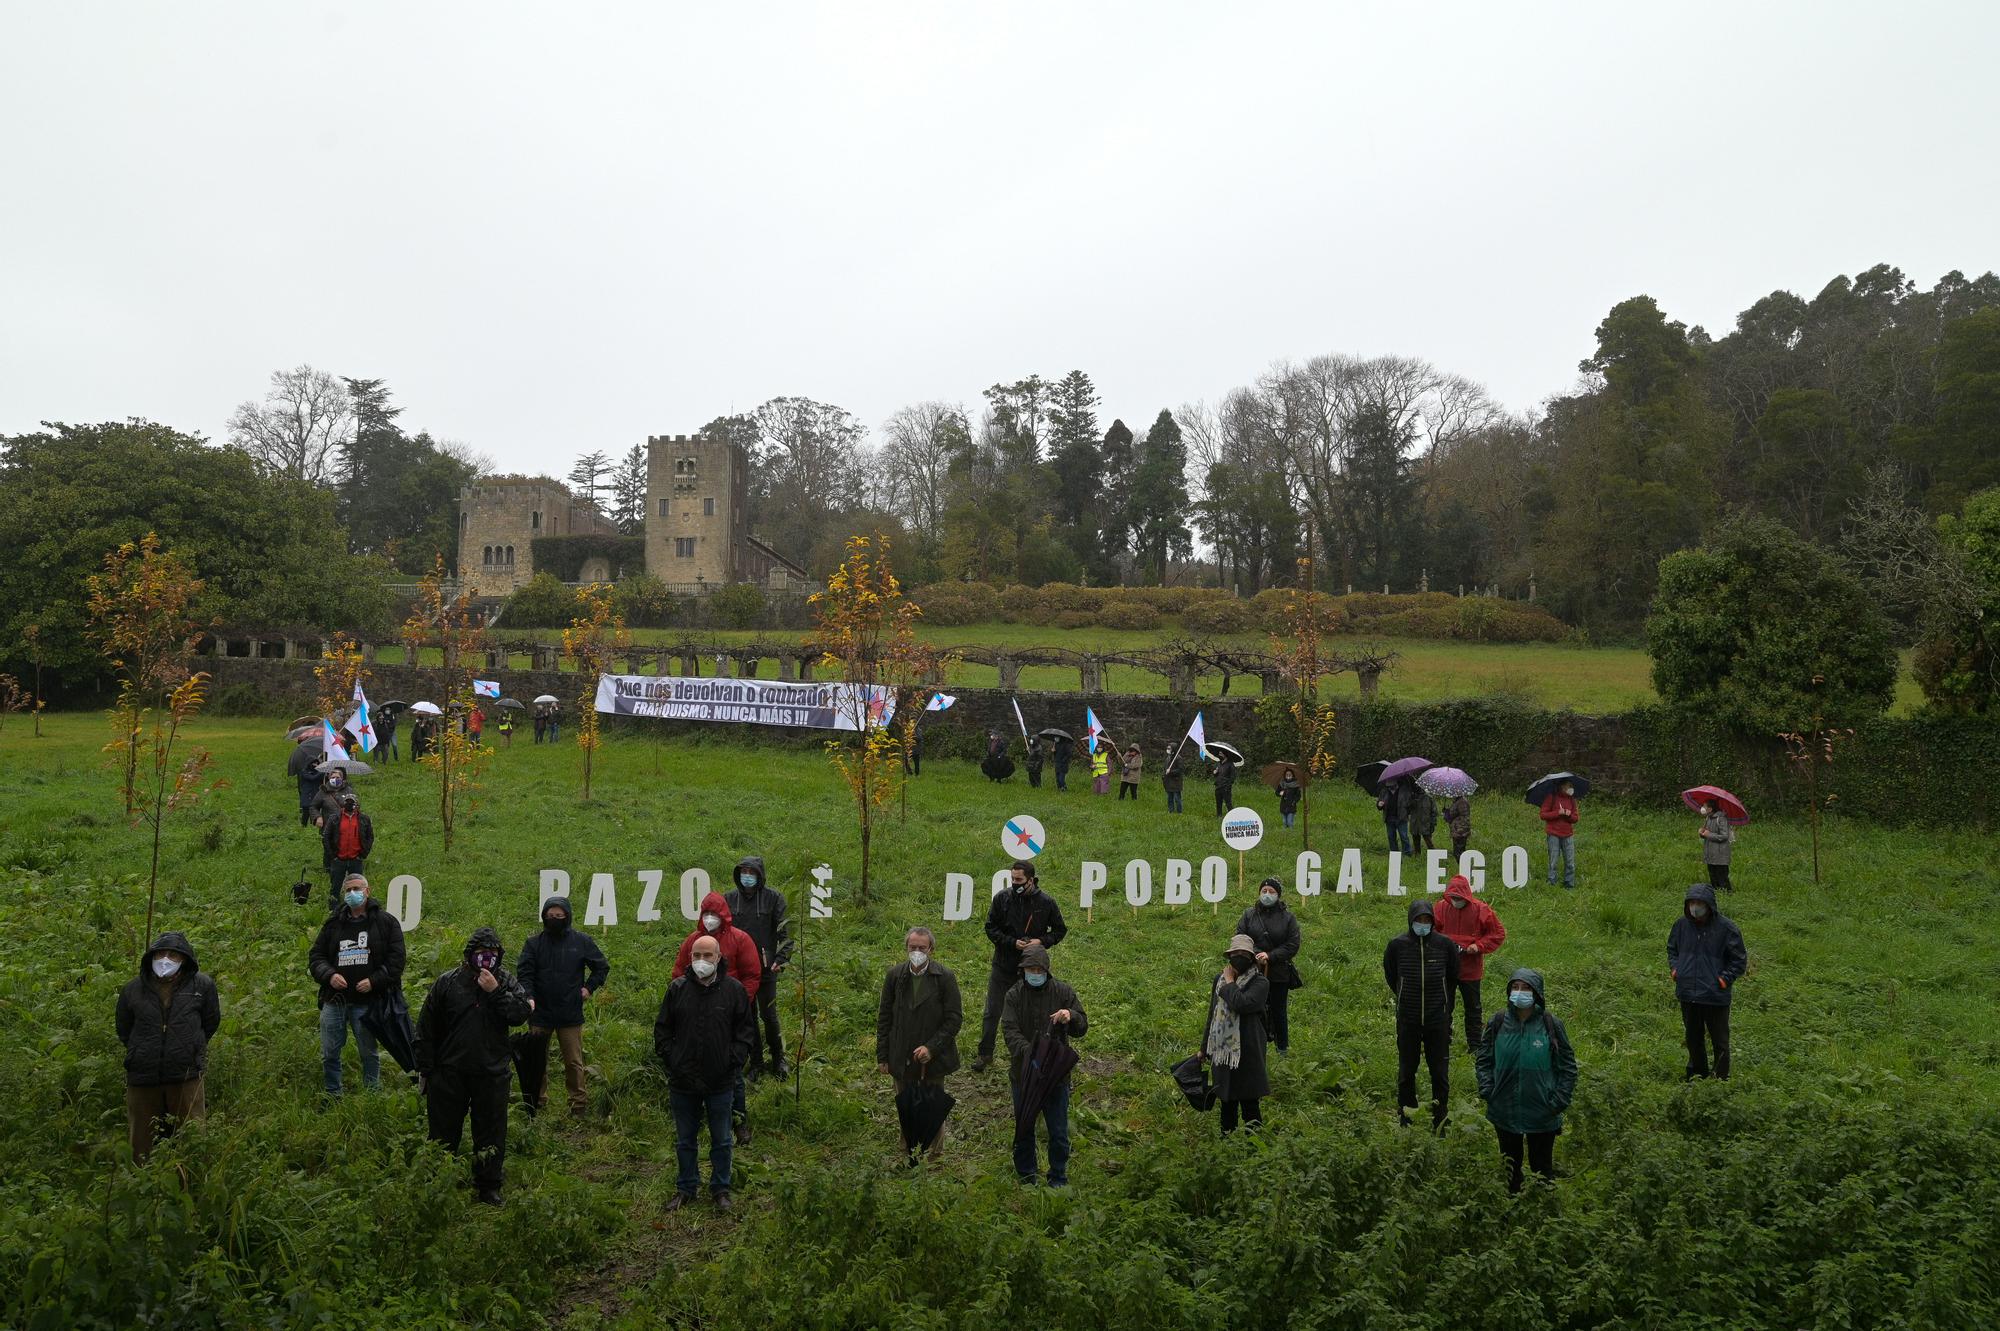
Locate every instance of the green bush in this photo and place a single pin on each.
(643, 601)
(1216, 615)
(1073, 619)
(738, 605)
(543, 602)
(1128, 615)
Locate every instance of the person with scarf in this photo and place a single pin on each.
(1233, 1043)
(1289, 791)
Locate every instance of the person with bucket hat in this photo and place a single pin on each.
(1470, 923)
(1527, 1073)
(1233, 1041)
(1275, 931)
(464, 1057)
(1420, 966)
(1706, 957)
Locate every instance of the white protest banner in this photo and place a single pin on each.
(760, 702)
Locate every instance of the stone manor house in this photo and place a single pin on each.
(695, 536)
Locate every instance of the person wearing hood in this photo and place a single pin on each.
(1470, 923)
(1062, 750)
(1039, 1002)
(1173, 780)
(1718, 838)
(1559, 815)
(1233, 1040)
(703, 1035)
(1421, 968)
(333, 788)
(1289, 791)
(746, 967)
(1274, 931)
(1393, 799)
(304, 764)
(166, 1016)
(463, 1055)
(1128, 773)
(346, 840)
(356, 957)
(1037, 755)
(1527, 1074)
(1706, 956)
(758, 909)
(917, 1020)
(560, 968)
(385, 734)
(1023, 916)
(1423, 820)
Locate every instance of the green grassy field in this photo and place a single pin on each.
(1844, 1178)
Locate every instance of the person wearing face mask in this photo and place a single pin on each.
(1470, 923)
(1274, 930)
(746, 967)
(758, 909)
(1173, 780)
(1527, 1074)
(703, 1035)
(1233, 1041)
(304, 765)
(1289, 791)
(1060, 752)
(1458, 822)
(1021, 917)
(917, 1021)
(345, 842)
(560, 968)
(356, 957)
(1039, 1002)
(166, 1017)
(463, 1056)
(333, 787)
(1559, 815)
(1128, 773)
(1718, 838)
(1421, 968)
(1706, 956)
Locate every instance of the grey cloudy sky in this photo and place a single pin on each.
(560, 227)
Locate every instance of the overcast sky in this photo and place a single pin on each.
(560, 227)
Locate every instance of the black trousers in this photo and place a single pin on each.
(766, 1030)
(1718, 877)
(1706, 1024)
(1458, 845)
(1424, 840)
(998, 982)
(1251, 1111)
(1035, 774)
(1277, 1020)
(1223, 796)
(1128, 790)
(1433, 1045)
(1540, 1149)
(449, 1096)
(1475, 1019)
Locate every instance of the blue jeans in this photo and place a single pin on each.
(335, 1019)
(1288, 818)
(1399, 837)
(689, 1111)
(1055, 1113)
(1562, 849)
(1173, 801)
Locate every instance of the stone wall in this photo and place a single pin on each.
(507, 516)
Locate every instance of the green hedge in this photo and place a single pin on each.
(565, 556)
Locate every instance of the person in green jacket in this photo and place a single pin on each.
(1527, 1074)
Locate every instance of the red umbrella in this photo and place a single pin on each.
(1728, 803)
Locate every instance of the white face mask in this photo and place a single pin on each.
(919, 958)
(703, 968)
(1267, 898)
(711, 922)
(166, 967)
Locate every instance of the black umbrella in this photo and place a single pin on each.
(1542, 789)
(1223, 746)
(1048, 1063)
(1054, 732)
(393, 705)
(1368, 776)
(513, 704)
(921, 1108)
(1191, 1075)
(997, 766)
(387, 1018)
(305, 756)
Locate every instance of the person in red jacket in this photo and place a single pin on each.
(1470, 923)
(742, 964)
(1559, 819)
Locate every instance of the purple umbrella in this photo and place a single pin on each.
(1446, 783)
(1403, 767)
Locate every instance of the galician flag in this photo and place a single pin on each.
(486, 688)
(336, 752)
(1019, 718)
(1198, 735)
(1094, 726)
(361, 725)
(939, 702)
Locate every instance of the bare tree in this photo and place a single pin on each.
(919, 443)
(303, 421)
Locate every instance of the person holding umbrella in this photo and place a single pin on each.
(1274, 930)
(1527, 1073)
(1706, 957)
(1233, 1041)
(1039, 1017)
(1721, 814)
(1226, 763)
(357, 955)
(304, 764)
(1559, 816)
(916, 1031)
(1423, 820)
(1421, 969)
(385, 731)
(1061, 749)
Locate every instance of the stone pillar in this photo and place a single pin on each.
(663, 663)
(289, 650)
(1180, 679)
(1010, 672)
(806, 668)
(368, 653)
(1531, 587)
(1424, 583)
(746, 667)
(1272, 680)
(1370, 676)
(1092, 672)
(496, 659)
(788, 666)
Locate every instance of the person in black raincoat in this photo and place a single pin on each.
(1289, 791)
(1173, 780)
(165, 1017)
(1233, 1037)
(304, 764)
(1019, 918)
(1393, 798)
(1706, 956)
(1271, 925)
(463, 1056)
(703, 1035)
(1033, 762)
(1064, 750)
(1225, 784)
(356, 957)
(1037, 1004)
(759, 910)
(1421, 969)
(1423, 819)
(561, 968)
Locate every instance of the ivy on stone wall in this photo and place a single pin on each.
(565, 556)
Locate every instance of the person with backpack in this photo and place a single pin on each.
(1527, 1075)
(1706, 956)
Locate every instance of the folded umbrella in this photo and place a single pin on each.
(1049, 1062)
(1546, 787)
(921, 1109)
(1728, 803)
(387, 1018)
(1403, 767)
(1368, 776)
(1191, 1075)
(1446, 783)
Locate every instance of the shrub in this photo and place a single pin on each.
(543, 602)
(643, 601)
(1073, 619)
(738, 604)
(1216, 616)
(1018, 604)
(1127, 615)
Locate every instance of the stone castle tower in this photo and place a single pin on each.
(696, 492)
(499, 518)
